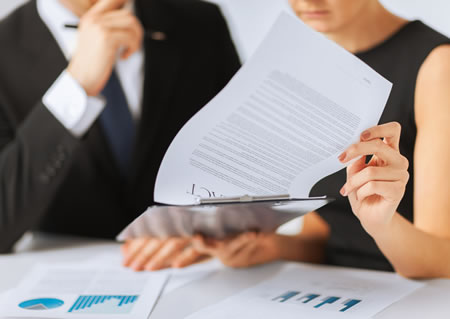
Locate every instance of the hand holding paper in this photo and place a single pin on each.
(276, 128)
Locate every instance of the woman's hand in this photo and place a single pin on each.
(245, 250)
(376, 189)
(154, 254)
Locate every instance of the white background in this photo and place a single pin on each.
(250, 19)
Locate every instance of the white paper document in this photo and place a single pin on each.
(279, 125)
(178, 277)
(303, 291)
(84, 292)
(277, 128)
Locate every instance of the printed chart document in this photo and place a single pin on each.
(84, 292)
(277, 128)
(303, 291)
(178, 277)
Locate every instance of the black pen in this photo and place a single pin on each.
(155, 35)
(71, 26)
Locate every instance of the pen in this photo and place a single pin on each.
(155, 35)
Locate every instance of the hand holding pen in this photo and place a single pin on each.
(105, 30)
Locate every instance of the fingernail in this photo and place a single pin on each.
(342, 157)
(365, 135)
(343, 191)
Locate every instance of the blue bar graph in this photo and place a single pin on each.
(350, 303)
(316, 301)
(307, 298)
(103, 304)
(286, 296)
(327, 300)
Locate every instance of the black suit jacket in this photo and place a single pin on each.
(52, 181)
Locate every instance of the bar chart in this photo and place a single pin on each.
(104, 304)
(317, 301)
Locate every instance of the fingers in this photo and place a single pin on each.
(373, 173)
(122, 19)
(228, 251)
(133, 247)
(125, 39)
(146, 252)
(204, 246)
(242, 258)
(237, 252)
(378, 148)
(103, 6)
(118, 28)
(356, 167)
(164, 256)
(391, 191)
(188, 257)
(224, 249)
(389, 131)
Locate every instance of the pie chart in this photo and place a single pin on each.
(41, 304)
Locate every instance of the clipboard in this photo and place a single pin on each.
(221, 217)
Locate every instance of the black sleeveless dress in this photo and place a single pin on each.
(398, 59)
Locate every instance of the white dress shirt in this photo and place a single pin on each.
(66, 99)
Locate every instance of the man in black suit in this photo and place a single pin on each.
(86, 115)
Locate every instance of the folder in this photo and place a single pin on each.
(221, 217)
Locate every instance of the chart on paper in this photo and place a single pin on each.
(304, 291)
(104, 304)
(87, 291)
(317, 301)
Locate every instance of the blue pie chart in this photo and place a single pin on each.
(41, 304)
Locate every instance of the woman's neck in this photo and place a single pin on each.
(368, 30)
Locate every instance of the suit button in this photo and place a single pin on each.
(44, 178)
(50, 171)
(58, 163)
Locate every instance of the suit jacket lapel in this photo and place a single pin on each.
(162, 62)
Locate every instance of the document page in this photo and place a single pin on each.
(178, 277)
(279, 125)
(84, 292)
(304, 291)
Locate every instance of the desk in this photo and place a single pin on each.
(432, 301)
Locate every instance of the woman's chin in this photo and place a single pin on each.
(319, 26)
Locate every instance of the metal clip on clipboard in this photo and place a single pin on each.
(251, 199)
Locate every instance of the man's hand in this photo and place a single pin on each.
(154, 254)
(104, 31)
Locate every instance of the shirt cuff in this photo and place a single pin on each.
(71, 106)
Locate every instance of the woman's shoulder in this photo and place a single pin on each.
(416, 37)
(433, 81)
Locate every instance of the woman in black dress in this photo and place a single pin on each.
(392, 213)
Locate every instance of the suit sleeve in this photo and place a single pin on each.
(34, 160)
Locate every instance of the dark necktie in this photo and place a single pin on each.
(117, 123)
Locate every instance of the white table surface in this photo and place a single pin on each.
(431, 301)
